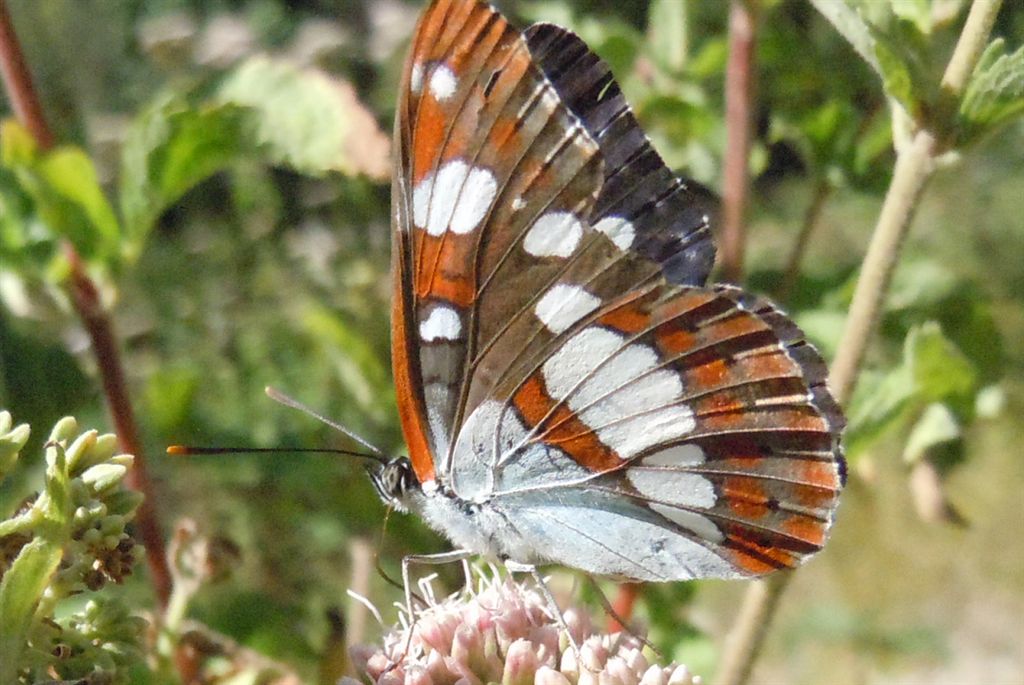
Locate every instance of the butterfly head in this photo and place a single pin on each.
(393, 481)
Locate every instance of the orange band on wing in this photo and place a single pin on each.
(567, 432)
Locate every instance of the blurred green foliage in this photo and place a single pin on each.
(224, 177)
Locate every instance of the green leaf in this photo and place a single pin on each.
(20, 592)
(936, 426)
(169, 149)
(667, 33)
(308, 119)
(72, 175)
(852, 27)
(916, 12)
(995, 92)
(933, 370)
(880, 402)
(940, 370)
(896, 76)
(59, 189)
(17, 146)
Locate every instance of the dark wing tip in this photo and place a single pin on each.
(671, 222)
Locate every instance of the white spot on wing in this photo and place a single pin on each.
(442, 83)
(673, 487)
(416, 78)
(437, 397)
(555, 234)
(563, 305)
(443, 323)
(618, 391)
(476, 199)
(619, 230)
(457, 198)
(701, 525)
(678, 455)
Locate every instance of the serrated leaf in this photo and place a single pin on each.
(936, 426)
(308, 119)
(20, 590)
(995, 92)
(169, 149)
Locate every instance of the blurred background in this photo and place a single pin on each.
(242, 150)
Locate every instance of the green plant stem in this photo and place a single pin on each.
(970, 45)
(739, 96)
(914, 167)
(915, 164)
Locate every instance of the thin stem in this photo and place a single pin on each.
(970, 45)
(914, 166)
(104, 344)
(18, 83)
(739, 95)
(747, 635)
(822, 190)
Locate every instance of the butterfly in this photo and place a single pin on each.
(570, 389)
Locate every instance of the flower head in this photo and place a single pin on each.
(506, 633)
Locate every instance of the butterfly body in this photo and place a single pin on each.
(570, 389)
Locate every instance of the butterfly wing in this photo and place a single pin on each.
(550, 314)
(486, 149)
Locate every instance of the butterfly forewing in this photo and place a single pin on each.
(556, 352)
(487, 152)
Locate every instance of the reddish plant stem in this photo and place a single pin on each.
(104, 344)
(623, 605)
(29, 111)
(821, 192)
(18, 83)
(739, 96)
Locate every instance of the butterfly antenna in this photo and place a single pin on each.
(287, 401)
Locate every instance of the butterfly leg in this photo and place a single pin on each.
(516, 567)
(426, 560)
(626, 627)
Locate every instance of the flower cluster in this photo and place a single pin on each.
(505, 633)
(68, 539)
